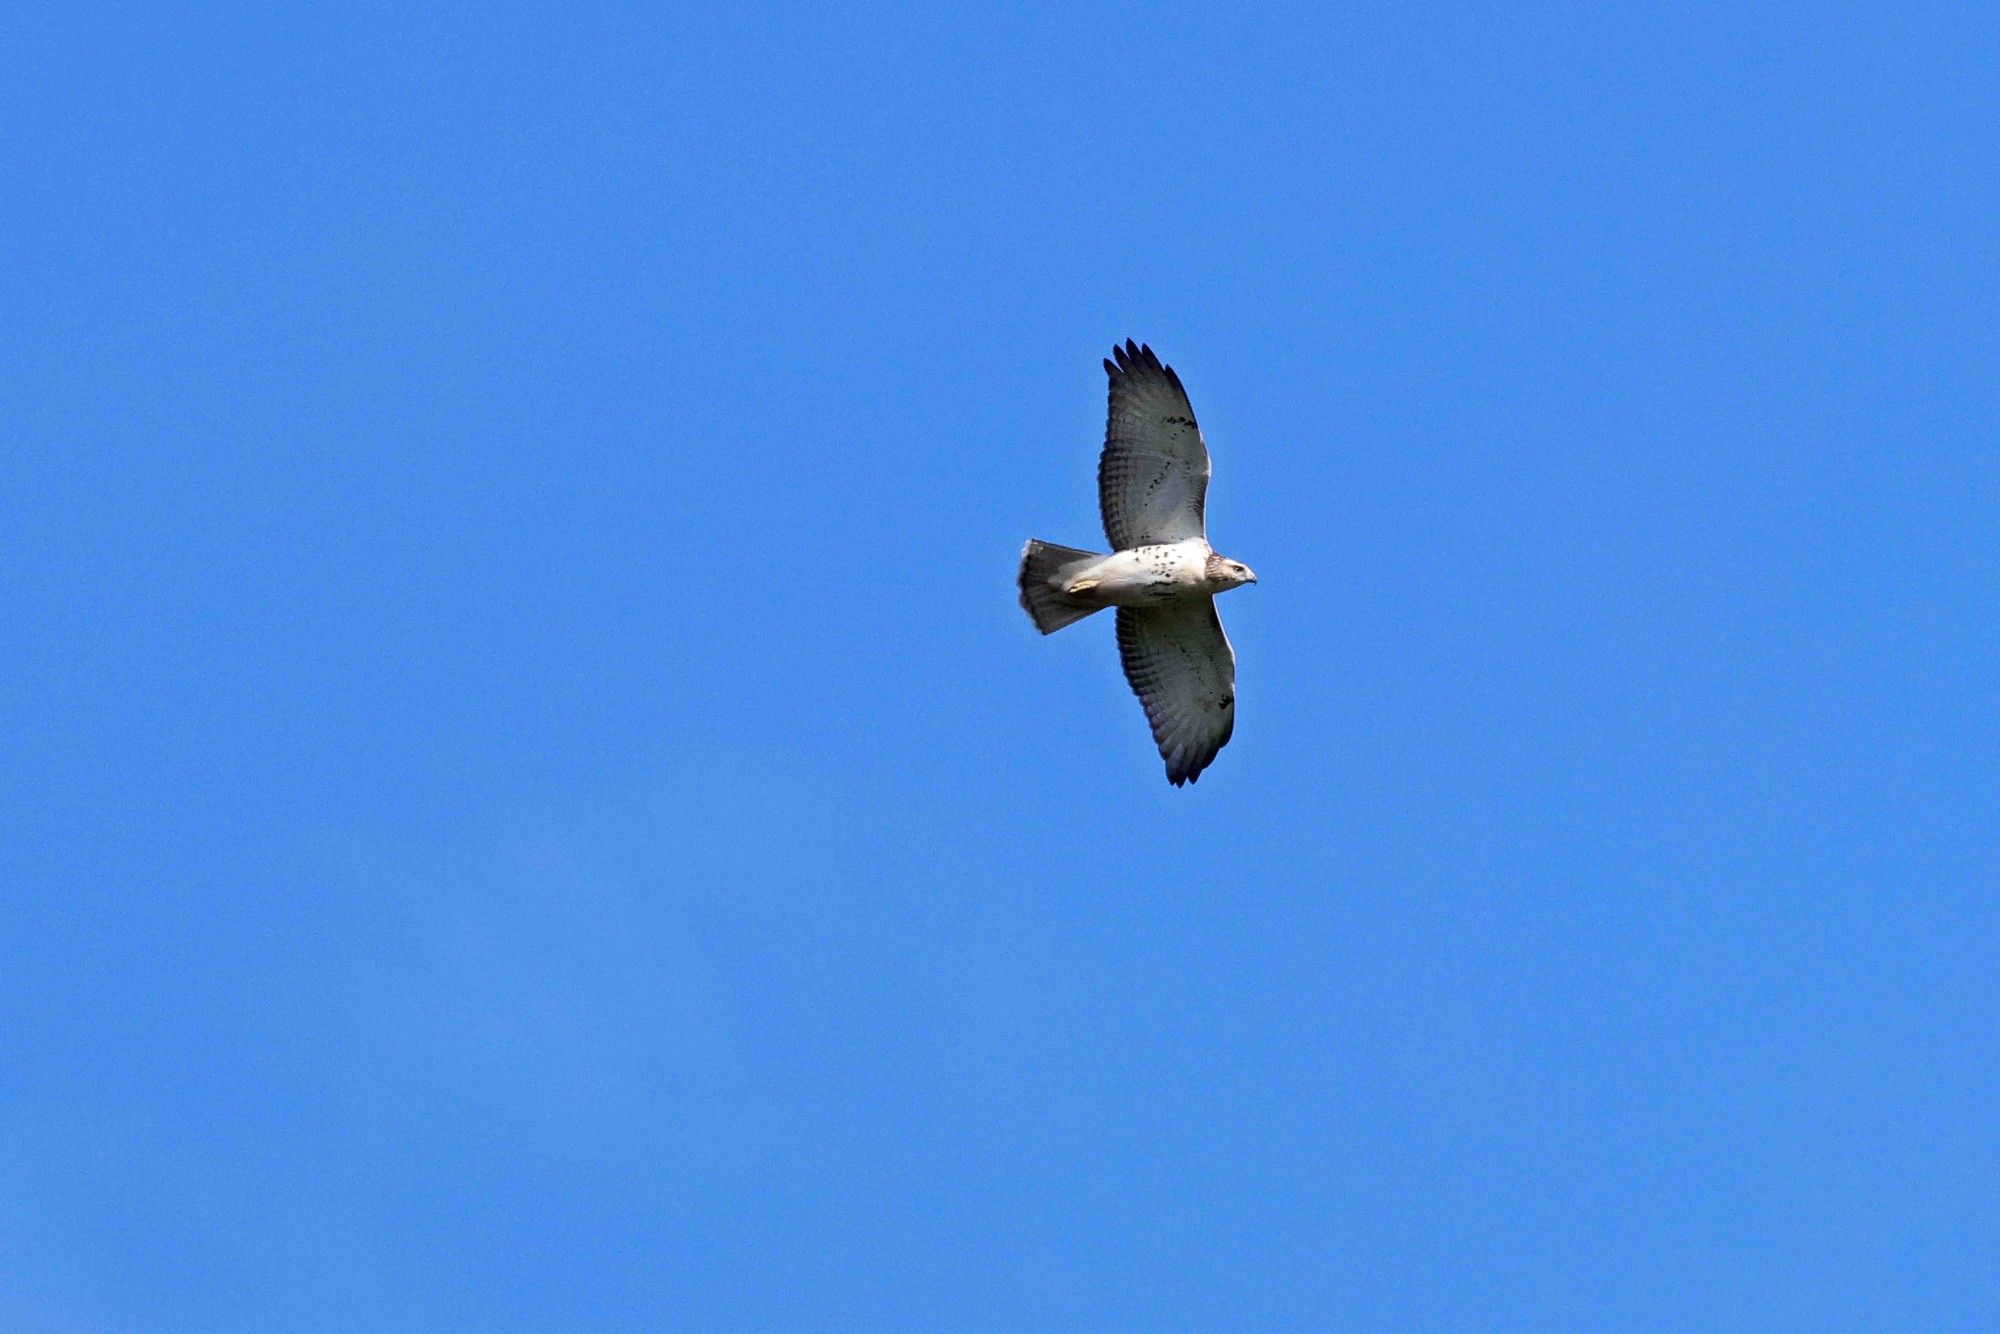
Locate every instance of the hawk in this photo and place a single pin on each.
(1161, 575)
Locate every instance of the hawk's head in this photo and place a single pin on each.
(1225, 573)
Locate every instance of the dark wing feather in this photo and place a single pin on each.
(1152, 479)
(1184, 672)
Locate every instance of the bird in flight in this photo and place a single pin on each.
(1161, 575)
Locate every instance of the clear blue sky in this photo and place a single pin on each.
(529, 803)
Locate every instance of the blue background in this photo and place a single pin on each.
(529, 803)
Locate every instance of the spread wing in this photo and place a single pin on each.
(1182, 669)
(1152, 479)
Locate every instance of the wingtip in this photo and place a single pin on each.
(1133, 355)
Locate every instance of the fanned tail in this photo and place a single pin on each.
(1045, 567)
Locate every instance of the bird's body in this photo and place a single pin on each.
(1145, 576)
(1152, 483)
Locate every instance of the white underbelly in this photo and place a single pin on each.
(1145, 576)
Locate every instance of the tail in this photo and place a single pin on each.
(1044, 568)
